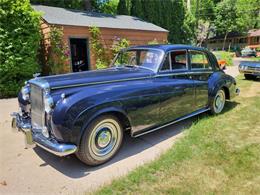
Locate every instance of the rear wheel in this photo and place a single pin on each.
(218, 103)
(101, 140)
(249, 76)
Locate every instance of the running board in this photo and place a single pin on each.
(173, 122)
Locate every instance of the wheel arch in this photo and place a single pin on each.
(119, 113)
(227, 92)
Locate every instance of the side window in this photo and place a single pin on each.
(175, 60)
(199, 60)
(166, 64)
(179, 60)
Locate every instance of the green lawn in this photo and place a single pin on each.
(218, 155)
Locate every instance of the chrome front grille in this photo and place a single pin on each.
(37, 107)
(251, 68)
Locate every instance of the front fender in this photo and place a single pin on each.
(87, 116)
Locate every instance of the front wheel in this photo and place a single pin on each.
(101, 140)
(218, 103)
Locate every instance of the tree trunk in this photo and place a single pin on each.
(207, 36)
(224, 43)
(87, 5)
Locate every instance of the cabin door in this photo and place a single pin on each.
(79, 54)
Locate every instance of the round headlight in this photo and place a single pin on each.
(48, 103)
(26, 92)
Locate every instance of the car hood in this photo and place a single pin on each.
(96, 77)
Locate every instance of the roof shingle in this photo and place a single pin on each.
(62, 16)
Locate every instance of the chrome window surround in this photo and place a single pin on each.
(170, 61)
(142, 48)
(204, 53)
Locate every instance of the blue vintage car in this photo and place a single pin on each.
(146, 88)
(250, 69)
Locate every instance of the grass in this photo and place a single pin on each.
(218, 155)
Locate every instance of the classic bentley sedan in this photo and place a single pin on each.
(146, 88)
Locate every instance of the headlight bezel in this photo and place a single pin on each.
(48, 102)
(26, 92)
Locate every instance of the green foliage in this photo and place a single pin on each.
(58, 51)
(119, 44)
(161, 13)
(72, 4)
(153, 42)
(19, 42)
(108, 7)
(224, 55)
(99, 52)
(122, 8)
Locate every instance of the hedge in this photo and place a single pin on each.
(19, 43)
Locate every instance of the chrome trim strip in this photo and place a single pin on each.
(183, 73)
(101, 82)
(173, 122)
(40, 82)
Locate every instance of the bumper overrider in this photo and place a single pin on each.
(33, 137)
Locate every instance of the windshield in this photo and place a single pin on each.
(141, 58)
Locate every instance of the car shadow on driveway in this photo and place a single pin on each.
(74, 168)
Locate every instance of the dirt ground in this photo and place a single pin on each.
(35, 171)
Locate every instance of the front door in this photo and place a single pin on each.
(79, 54)
(177, 89)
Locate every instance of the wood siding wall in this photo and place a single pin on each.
(108, 35)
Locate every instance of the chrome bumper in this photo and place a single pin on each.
(254, 72)
(32, 137)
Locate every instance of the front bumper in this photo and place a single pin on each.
(252, 72)
(35, 137)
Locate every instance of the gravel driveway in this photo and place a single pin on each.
(36, 171)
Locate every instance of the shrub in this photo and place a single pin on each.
(224, 55)
(98, 48)
(119, 44)
(19, 42)
(58, 51)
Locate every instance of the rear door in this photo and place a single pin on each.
(176, 88)
(200, 71)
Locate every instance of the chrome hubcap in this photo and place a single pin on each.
(104, 139)
(219, 101)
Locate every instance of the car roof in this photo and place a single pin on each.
(168, 47)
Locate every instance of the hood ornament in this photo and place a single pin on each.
(36, 74)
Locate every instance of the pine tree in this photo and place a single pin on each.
(122, 8)
(136, 9)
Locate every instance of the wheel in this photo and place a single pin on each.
(218, 103)
(101, 140)
(249, 76)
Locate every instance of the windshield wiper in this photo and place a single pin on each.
(131, 66)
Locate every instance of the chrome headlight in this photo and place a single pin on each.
(45, 132)
(26, 92)
(48, 103)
